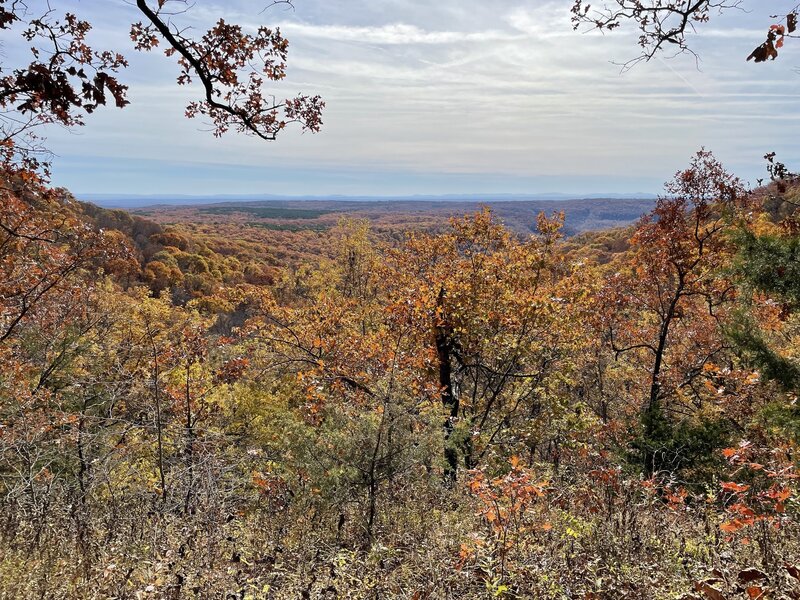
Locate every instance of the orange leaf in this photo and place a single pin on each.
(754, 592)
(742, 509)
(731, 526)
(732, 486)
(783, 494)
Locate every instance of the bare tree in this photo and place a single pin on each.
(665, 25)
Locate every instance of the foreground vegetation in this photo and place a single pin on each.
(464, 414)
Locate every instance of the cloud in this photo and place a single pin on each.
(392, 34)
(544, 21)
(448, 89)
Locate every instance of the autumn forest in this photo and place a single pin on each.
(309, 401)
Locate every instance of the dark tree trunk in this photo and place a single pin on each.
(653, 416)
(444, 350)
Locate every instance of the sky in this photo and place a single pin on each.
(445, 97)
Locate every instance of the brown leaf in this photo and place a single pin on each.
(766, 50)
(759, 54)
(794, 571)
(709, 591)
(751, 574)
(791, 22)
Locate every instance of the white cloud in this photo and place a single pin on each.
(542, 21)
(392, 34)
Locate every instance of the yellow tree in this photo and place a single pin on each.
(494, 311)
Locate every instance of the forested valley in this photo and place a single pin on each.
(461, 411)
(456, 414)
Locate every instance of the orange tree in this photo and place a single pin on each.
(347, 389)
(662, 306)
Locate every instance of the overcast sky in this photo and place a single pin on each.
(452, 96)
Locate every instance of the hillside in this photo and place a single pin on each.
(395, 405)
(276, 365)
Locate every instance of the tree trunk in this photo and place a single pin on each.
(444, 348)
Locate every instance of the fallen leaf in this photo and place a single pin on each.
(754, 592)
(751, 574)
(709, 591)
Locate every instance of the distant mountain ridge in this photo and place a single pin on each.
(402, 215)
(140, 201)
